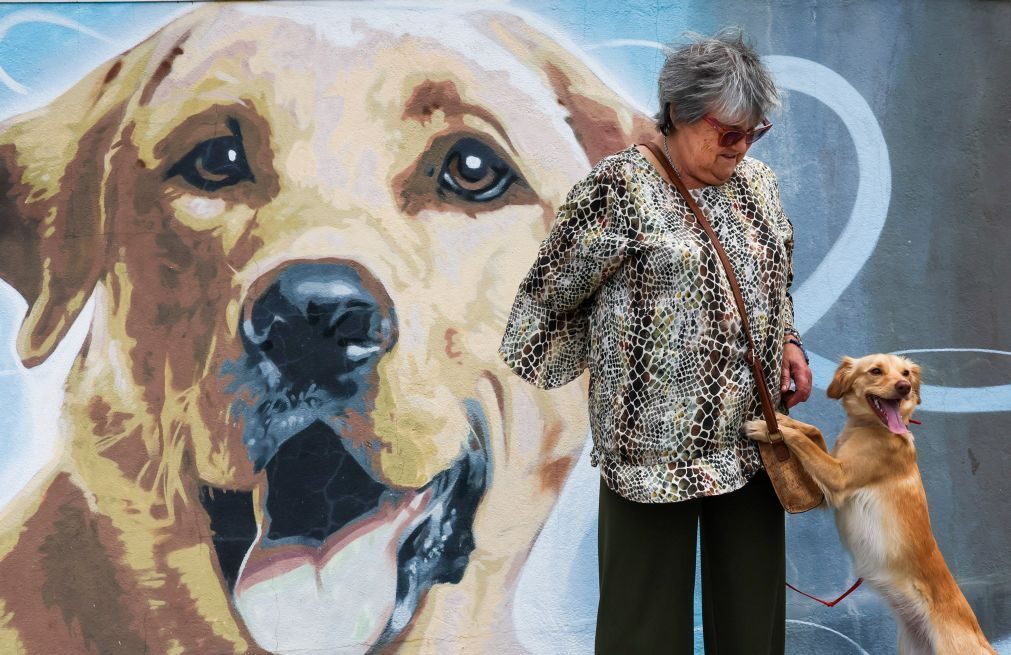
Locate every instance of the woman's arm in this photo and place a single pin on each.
(547, 334)
(795, 373)
(583, 247)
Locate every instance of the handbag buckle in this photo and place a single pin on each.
(779, 446)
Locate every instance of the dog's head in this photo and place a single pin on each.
(302, 234)
(879, 388)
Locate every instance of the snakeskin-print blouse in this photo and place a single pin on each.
(628, 285)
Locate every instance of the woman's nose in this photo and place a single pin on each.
(741, 146)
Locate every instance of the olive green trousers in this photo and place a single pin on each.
(647, 573)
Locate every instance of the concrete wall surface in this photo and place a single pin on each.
(256, 259)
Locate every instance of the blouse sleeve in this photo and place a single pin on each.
(782, 223)
(547, 335)
(786, 228)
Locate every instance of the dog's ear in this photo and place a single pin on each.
(602, 121)
(842, 381)
(54, 226)
(914, 378)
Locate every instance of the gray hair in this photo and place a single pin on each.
(721, 74)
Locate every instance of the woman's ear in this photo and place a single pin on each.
(665, 120)
(671, 116)
(843, 379)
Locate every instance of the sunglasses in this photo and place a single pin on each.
(731, 135)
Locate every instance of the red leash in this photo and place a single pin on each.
(832, 603)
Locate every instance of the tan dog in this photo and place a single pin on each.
(872, 481)
(301, 230)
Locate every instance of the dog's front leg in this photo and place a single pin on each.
(807, 442)
(809, 431)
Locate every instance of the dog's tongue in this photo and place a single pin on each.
(336, 598)
(891, 410)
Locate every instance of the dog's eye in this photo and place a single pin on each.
(474, 172)
(905, 373)
(875, 371)
(214, 163)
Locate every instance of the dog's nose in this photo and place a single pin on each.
(903, 387)
(317, 322)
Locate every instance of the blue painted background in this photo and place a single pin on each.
(913, 183)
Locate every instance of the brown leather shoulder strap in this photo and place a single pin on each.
(768, 411)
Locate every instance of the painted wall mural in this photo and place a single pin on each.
(256, 259)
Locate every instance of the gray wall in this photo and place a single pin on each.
(892, 153)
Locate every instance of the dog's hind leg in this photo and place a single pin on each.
(912, 643)
(955, 638)
(916, 635)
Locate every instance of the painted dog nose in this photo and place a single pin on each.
(903, 387)
(318, 322)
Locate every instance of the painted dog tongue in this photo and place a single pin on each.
(891, 410)
(338, 597)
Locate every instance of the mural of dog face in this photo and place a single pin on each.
(302, 230)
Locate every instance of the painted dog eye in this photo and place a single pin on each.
(474, 172)
(215, 163)
(875, 371)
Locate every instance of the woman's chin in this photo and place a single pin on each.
(720, 176)
(724, 169)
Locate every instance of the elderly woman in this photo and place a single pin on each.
(628, 284)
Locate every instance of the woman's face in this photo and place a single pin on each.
(699, 156)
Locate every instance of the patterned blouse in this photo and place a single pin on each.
(628, 285)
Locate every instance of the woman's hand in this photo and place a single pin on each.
(797, 374)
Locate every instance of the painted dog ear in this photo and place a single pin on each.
(602, 121)
(54, 227)
(842, 381)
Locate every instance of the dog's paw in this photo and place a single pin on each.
(757, 430)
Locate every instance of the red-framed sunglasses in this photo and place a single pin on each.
(731, 135)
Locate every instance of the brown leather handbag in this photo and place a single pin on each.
(796, 490)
